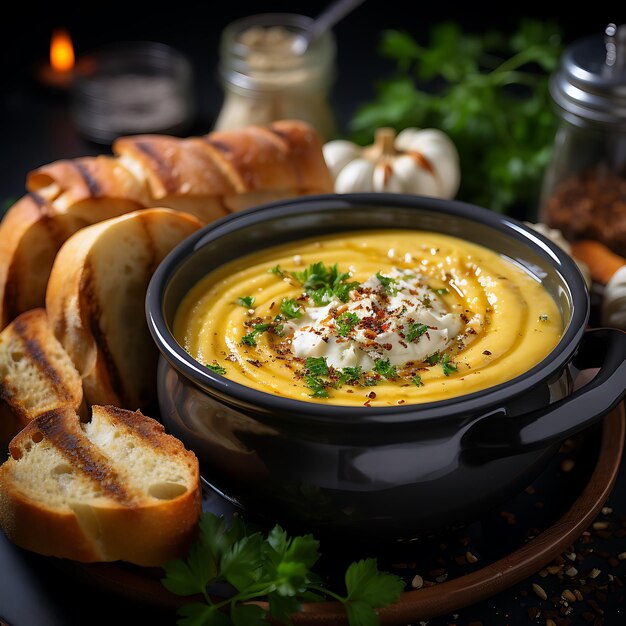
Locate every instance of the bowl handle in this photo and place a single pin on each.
(497, 435)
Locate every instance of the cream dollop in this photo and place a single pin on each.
(400, 319)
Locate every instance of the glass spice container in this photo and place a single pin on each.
(584, 188)
(265, 78)
(133, 87)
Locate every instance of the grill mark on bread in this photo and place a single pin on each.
(39, 202)
(148, 244)
(244, 169)
(81, 453)
(92, 184)
(94, 315)
(38, 358)
(152, 432)
(161, 167)
(290, 147)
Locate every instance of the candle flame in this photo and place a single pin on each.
(61, 51)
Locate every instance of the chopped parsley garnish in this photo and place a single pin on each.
(216, 367)
(442, 292)
(273, 566)
(316, 366)
(447, 366)
(427, 302)
(346, 322)
(323, 283)
(250, 338)
(385, 368)
(415, 330)
(277, 270)
(417, 381)
(433, 359)
(351, 375)
(390, 285)
(290, 308)
(246, 301)
(317, 386)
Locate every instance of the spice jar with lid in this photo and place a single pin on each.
(266, 77)
(584, 188)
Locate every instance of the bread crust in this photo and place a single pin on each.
(30, 236)
(134, 527)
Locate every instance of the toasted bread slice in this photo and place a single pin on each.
(30, 236)
(117, 488)
(36, 374)
(92, 188)
(96, 302)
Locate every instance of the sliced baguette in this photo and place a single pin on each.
(117, 488)
(95, 302)
(30, 236)
(36, 374)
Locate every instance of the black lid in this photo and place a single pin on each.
(590, 84)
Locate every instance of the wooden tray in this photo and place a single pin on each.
(506, 552)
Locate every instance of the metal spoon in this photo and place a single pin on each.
(324, 21)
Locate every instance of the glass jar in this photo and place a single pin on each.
(133, 87)
(584, 188)
(265, 78)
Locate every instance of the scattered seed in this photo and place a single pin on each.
(442, 578)
(607, 510)
(579, 596)
(621, 556)
(539, 591)
(600, 525)
(571, 556)
(567, 465)
(566, 594)
(554, 569)
(471, 558)
(594, 573)
(571, 571)
(417, 582)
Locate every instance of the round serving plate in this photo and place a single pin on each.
(454, 569)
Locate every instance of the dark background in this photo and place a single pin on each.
(35, 127)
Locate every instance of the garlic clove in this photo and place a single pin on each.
(338, 153)
(356, 176)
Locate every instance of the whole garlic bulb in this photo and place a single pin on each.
(417, 161)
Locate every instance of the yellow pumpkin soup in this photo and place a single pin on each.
(375, 318)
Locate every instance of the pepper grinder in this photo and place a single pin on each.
(584, 187)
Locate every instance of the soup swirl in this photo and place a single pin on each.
(379, 318)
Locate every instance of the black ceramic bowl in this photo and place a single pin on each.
(392, 471)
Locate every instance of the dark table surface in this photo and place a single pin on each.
(37, 128)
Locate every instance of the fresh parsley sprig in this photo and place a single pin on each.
(276, 568)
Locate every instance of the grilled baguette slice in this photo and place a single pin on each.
(36, 374)
(227, 171)
(30, 236)
(117, 488)
(95, 302)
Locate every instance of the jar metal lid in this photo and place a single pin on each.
(590, 84)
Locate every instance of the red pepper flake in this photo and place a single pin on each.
(371, 395)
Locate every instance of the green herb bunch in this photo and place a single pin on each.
(272, 568)
(488, 92)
